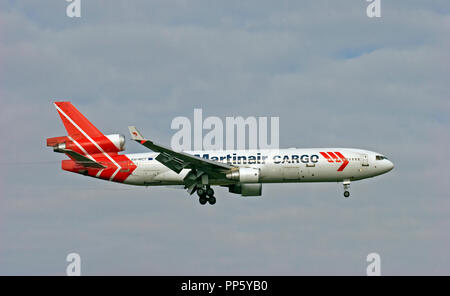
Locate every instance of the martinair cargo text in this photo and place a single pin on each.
(97, 155)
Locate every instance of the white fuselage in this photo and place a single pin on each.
(276, 166)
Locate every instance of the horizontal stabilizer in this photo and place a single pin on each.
(52, 142)
(81, 159)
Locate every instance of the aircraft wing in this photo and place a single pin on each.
(176, 161)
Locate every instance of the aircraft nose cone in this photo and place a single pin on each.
(390, 166)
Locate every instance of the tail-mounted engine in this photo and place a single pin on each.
(109, 143)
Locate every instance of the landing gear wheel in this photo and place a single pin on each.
(209, 191)
(201, 192)
(212, 200)
(346, 194)
(203, 200)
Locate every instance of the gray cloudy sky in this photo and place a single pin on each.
(332, 75)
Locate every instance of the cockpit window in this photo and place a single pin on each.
(380, 157)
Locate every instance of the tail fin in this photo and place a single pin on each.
(77, 126)
(91, 152)
(83, 136)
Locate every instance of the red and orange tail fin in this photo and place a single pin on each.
(77, 126)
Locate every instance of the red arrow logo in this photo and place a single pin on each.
(336, 157)
(326, 156)
(342, 167)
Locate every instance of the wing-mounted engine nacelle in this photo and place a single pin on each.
(246, 189)
(112, 143)
(244, 175)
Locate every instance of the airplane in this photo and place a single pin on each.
(97, 155)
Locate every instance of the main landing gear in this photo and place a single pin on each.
(206, 194)
(346, 184)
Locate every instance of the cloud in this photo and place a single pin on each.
(335, 78)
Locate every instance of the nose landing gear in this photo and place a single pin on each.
(346, 184)
(206, 194)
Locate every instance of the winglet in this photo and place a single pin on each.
(135, 134)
